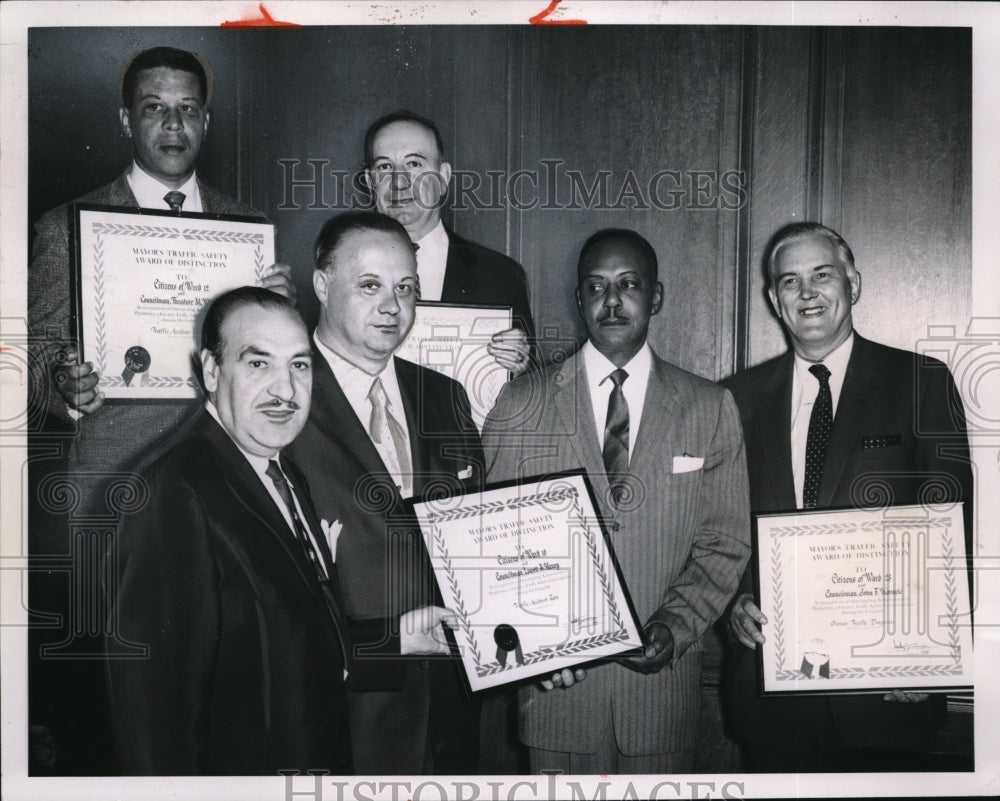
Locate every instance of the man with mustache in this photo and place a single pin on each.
(225, 577)
(382, 430)
(664, 453)
(894, 424)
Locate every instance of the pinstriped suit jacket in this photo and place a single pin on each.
(119, 435)
(682, 541)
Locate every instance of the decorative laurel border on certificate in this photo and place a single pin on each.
(542, 654)
(156, 232)
(877, 671)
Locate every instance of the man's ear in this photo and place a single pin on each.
(855, 279)
(657, 299)
(208, 118)
(209, 371)
(319, 286)
(773, 296)
(126, 123)
(579, 301)
(445, 172)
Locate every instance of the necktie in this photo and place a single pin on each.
(301, 534)
(820, 423)
(382, 426)
(175, 200)
(616, 437)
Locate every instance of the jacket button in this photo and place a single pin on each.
(616, 526)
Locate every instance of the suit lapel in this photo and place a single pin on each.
(859, 385)
(574, 415)
(460, 277)
(659, 409)
(774, 417)
(416, 410)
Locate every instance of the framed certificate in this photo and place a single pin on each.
(863, 600)
(452, 339)
(527, 569)
(143, 280)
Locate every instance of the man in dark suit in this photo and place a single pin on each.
(225, 576)
(408, 176)
(382, 430)
(897, 436)
(663, 450)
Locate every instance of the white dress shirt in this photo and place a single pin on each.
(356, 384)
(259, 465)
(432, 258)
(805, 388)
(599, 369)
(149, 192)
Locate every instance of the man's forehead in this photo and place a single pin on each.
(615, 256)
(265, 328)
(376, 251)
(404, 135)
(155, 79)
(814, 251)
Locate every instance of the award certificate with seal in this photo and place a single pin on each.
(452, 339)
(142, 283)
(863, 600)
(528, 571)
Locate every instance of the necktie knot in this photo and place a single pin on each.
(618, 377)
(821, 372)
(175, 199)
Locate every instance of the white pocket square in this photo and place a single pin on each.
(331, 531)
(685, 464)
(466, 473)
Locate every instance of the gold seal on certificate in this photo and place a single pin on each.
(864, 600)
(142, 281)
(528, 571)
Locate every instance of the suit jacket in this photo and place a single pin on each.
(899, 432)
(476, 275)
(119, 435)
(681, 543)
(380, 555)
(244, 673)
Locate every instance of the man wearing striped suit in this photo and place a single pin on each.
(664, 452)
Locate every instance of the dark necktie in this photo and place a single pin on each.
(301, 534)
(616, 437)
(820, 423)
(175, 200)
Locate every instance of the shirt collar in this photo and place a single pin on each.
(599, 366)
(835, 361)
(149, 192)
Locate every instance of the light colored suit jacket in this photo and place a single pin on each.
(682, 541)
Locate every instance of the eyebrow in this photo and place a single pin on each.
(253, 350)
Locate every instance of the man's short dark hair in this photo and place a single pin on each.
(402, 115)
(626, 235)
(332, 234)
(796, 232)
(229, 302)
(169, 57)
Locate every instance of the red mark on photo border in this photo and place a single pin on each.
(542, 17)
(265, 19)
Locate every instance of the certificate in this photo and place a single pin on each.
(526, 568)
(452, 339)
(864, 600)
(143, 281)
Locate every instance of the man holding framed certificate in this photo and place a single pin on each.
(664, 453)
(840, 422)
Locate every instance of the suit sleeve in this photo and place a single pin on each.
(721, 544)
(167, 599)
(49, 307)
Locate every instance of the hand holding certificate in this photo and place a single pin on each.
(862, 600)
(528, 572)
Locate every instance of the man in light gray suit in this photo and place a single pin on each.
(664, 452)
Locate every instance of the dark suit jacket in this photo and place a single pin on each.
(898, 433)
(381, 559)
(119, 435)
(477, 275)
(681, 544)
(244, 673)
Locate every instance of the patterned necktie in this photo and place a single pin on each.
(616, 437)
(301, 534)
(383, 424)
(175, 200)
(820, 423)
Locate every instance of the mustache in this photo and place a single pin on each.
(612, 316)
(277, 403)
